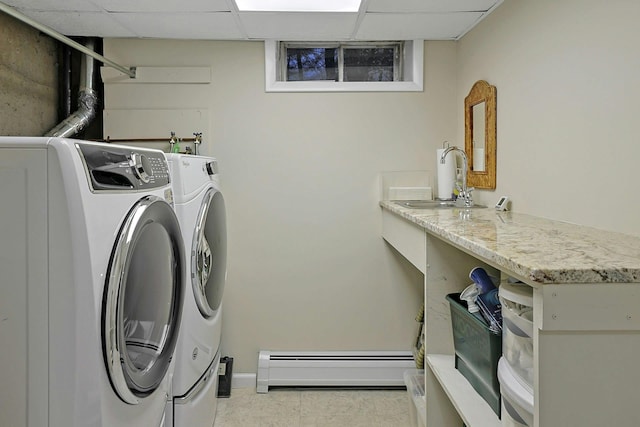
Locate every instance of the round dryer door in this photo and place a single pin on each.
(143, 299)
(209, 254)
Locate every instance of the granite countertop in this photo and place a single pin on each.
(541, 250)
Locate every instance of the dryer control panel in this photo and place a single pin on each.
(120, 168)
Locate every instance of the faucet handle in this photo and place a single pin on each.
(466, 199)
(468, 195)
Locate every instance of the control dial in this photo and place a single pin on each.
(140, 165)
(211, 168)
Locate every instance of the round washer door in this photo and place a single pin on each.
(143, 299)
(209, 254)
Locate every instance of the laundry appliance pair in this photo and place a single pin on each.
(93, 290)
(200, 208)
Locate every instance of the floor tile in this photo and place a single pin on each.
(314, 408)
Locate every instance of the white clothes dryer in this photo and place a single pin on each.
(92, 285)
(200, 208)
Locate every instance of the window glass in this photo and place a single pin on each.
(369, 64)
(312, 64)
(341, 62)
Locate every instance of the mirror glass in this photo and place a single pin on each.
(480, 135)
(477, 115)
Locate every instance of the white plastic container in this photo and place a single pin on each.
(517, 400)
(414, 380)
(517, 329)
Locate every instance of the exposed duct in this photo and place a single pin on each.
(87, 100)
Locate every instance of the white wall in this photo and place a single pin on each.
(308, 269)
(568, 86)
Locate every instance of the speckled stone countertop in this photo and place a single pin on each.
(540, 250)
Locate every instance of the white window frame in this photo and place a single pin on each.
(412, 69)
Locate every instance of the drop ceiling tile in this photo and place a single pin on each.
(427, 26)
(90, 24)
(164, 5)
(197, 26)
(299, 26)
(430, 6)
(50, 5)
(212, 19)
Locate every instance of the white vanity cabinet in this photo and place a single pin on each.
(586, 310)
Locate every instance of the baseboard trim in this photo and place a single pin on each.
(243, 380)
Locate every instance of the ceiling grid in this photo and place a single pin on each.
(222, 19)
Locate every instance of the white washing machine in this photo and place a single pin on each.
(91, 287)
(200, 207)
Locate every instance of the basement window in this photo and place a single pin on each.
(343, 66)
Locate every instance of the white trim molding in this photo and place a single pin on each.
(243, 380)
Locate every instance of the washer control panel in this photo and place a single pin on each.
(120, 168)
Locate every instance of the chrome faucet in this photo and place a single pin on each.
(464, 198)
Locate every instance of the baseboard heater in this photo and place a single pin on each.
(332, 369)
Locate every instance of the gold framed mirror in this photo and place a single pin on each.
(480, 135)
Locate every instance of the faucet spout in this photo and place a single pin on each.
(465, 192)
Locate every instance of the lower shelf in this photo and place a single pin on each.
(471, 407)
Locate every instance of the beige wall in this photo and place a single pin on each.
(308, 269)
(568, 87)
(28, 79)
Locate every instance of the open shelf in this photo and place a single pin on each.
(471, 407)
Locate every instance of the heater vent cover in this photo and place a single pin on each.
(332, 369)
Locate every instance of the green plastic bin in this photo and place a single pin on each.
(478, 350)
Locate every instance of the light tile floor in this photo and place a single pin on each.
(314, 408)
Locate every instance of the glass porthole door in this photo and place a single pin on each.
(209, 254)
(143, 299)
